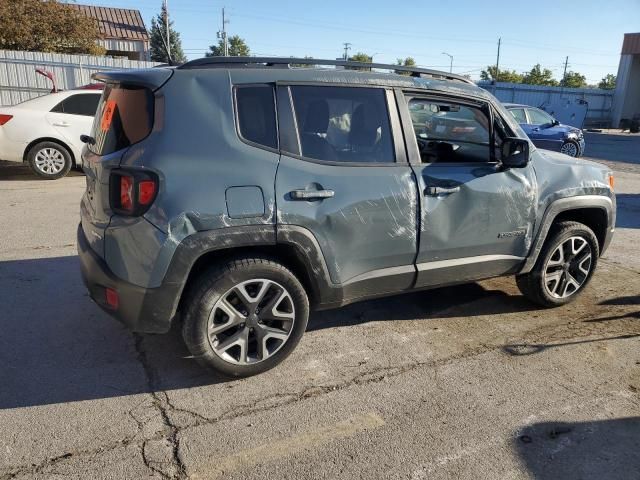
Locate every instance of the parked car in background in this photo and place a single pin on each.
(45, 131)
(546, 132)
(234, 195)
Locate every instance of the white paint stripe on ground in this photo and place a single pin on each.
(297, 443)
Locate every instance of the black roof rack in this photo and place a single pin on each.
(286, 62)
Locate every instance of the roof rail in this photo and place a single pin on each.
(286, 62)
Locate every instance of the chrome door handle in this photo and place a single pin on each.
(435, 191)
(312, 194)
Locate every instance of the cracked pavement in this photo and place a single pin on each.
(461, 382)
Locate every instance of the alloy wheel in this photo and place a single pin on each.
(251, 321)
(569, 148)
(568, 267)
(49, 161)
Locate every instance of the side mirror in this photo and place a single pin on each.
(555, 122)
(514, 152)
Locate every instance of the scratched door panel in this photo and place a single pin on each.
(368, 224)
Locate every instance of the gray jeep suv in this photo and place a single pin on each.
(234, 195)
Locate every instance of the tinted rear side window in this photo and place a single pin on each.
(257, 114)
(343, 124)
(81, 104)
(124, 117)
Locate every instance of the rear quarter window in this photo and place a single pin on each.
(257, 114)
(124, 117)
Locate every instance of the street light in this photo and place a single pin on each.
(374, 54)
(451, 63)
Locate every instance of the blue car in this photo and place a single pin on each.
(546, 132)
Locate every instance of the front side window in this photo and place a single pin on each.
(518, 114)
(450, 132)
(538, 117)
(80, 104)
(257, 114)
(124, 117)
(343, 124)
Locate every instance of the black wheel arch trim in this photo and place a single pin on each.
(561, 205)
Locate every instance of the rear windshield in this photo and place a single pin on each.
(124, 117)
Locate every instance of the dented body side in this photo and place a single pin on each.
(379, 235)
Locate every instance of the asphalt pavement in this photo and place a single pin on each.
(462, 382)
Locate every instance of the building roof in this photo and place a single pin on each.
(118, 23)
(631, 44)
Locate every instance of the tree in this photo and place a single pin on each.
(508, 76)
(47, 26)
(158, 40)
(539, 76)
(237, 48)
(608, 82)
(574, 80)
(407, 62)
(360, 57)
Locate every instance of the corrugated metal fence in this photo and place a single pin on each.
(19, 80)
(599, 101)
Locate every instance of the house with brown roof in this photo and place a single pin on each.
(122, 31)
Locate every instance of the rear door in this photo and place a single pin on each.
(343, 177)
(477, 217)
(124, 116)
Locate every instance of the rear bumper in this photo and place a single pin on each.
(145, 310)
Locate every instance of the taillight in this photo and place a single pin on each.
(132, 192)
(4, 118)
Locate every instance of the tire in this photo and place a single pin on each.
(49, 160)
(548, 284)
(570, 148)
(218, 319)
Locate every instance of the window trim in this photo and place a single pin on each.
(236, 115)
(396, 161)
(403, 97)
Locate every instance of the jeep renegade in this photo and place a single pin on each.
(235, 195)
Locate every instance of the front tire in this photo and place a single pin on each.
(49, 160)
(245, 316)
(570, 148)
(564, 267)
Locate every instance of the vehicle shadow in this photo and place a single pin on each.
(13, 171)
(581, 450)
(470, 299)
(56, 346)
(628, 210)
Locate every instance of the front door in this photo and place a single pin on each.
(476, 217)
(346, 181)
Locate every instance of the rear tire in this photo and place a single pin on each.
(245, 316)
(564, 267)
(49, 160)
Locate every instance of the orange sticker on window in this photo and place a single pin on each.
(107, 115)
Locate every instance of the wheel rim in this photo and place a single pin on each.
(49, 161)
(568, 267)
(251, 321)
(570, 149)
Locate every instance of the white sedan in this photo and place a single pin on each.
(45, 131)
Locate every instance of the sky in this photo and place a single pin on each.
(590, 33)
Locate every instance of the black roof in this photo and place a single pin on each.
(285, 62)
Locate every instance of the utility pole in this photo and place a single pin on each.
(223, 35)
(498, 58)
(564, 74)
(347, 47)
(166, 29)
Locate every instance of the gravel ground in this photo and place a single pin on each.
(464, 382)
